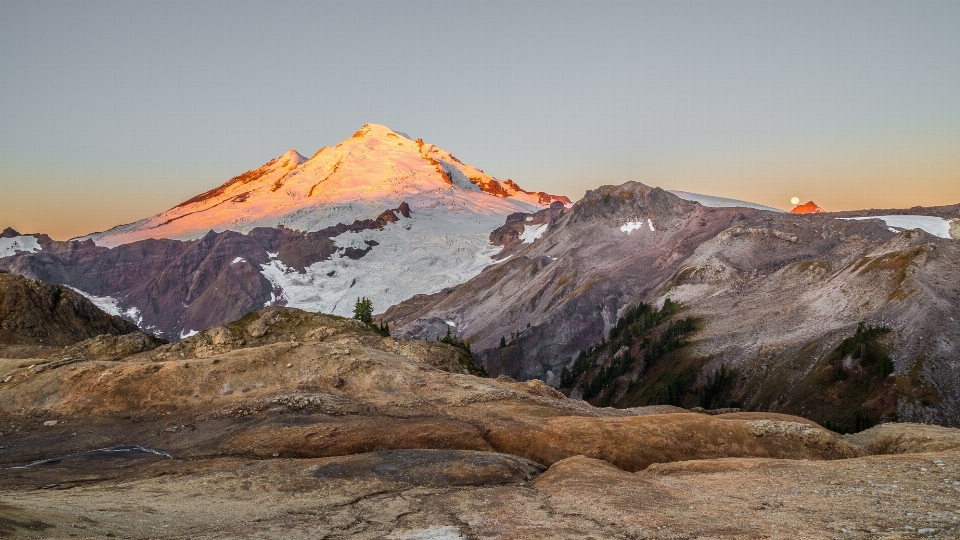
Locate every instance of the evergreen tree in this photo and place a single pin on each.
(503, 342)
(363, 310)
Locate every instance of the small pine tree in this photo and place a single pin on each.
(503, 342)
(363, 310)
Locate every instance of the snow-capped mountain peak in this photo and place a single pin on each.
(374, 169)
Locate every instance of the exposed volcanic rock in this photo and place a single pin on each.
(523, 228)
(33, 312)
(807, 208)
(239, 384)
(776, 294)
(286, 423)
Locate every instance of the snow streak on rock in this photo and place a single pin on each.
(532, 232)
(106, 303)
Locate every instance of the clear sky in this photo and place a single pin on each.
(113, 111)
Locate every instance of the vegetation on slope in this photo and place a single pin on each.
(639, 363)
(848, 390)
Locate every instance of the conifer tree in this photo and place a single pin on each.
(363, 310)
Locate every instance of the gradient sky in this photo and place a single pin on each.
(113, 111)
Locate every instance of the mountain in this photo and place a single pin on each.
(375, 169)
(378, 215)
(37, 313)
(773, 296)
(808, 207)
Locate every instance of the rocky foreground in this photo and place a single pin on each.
(287, 424)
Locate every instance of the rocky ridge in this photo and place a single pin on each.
(776, 293)
(36, 313)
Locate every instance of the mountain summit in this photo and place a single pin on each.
(809, 207)
(380, 215)
(375, 169)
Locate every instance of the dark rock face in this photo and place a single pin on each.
(33, 312)
(169, 286)
(776, 292)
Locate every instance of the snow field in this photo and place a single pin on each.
(10, 246)
(934, 225)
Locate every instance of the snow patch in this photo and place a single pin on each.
(532, 232)
(133, 314)
(10, 246)
(237, 260)
(650, 223)
(188, 333)
(631, 226)
(107, 304)
(529, 218)
(451, 323)
(934, 225)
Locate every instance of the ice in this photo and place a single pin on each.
(532, 232)
(420, 255)
(934, 225)
(10, 246)
(107, 304)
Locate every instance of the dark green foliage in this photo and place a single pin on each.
(715, 392)
(451, 339)
(363, 310)
(503, 342)
(383, 328)
(631, 340)
(864, 346)
(680, 385)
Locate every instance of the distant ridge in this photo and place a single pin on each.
(711, 201)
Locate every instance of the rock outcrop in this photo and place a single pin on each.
(36, 313)
(286, 423)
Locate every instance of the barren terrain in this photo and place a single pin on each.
(294, 425)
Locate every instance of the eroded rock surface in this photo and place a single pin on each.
(287, 424)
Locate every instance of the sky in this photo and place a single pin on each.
(115, 111)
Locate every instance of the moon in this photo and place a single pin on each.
(795, 200)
